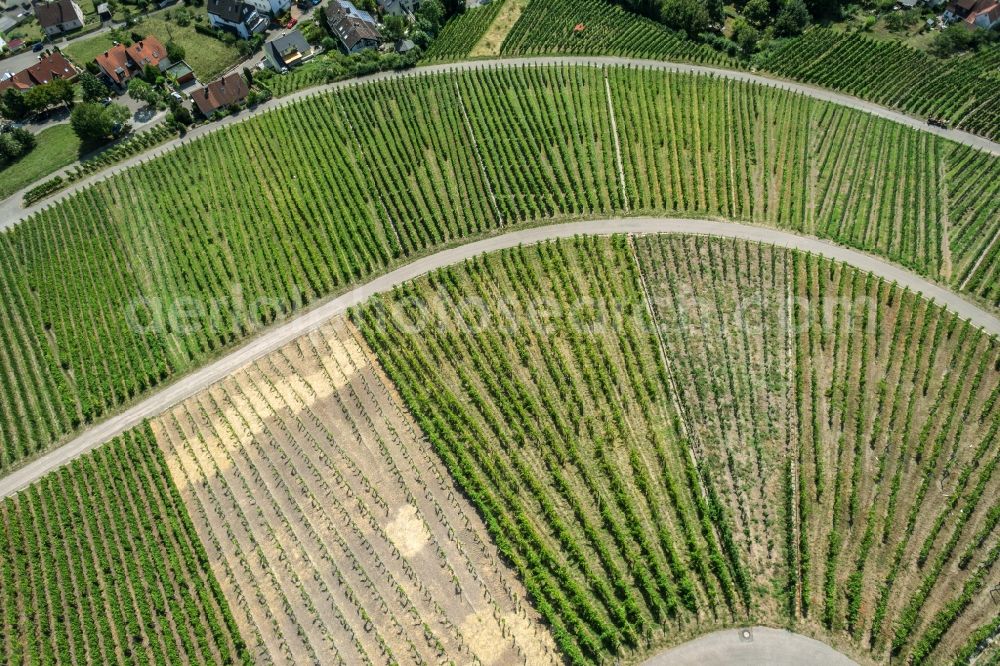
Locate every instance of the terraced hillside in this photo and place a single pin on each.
(337, 536)
(99, 563)
(669, 434)
(147, 274)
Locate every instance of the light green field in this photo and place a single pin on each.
(57, 147)
(82, 51)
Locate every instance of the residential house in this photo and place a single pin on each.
(272, 7)
(974, 14)
(398, 7)
(52, 66)
(235, 16)
(58, 16)
(356, 29)
(287, 51)
(221, 94)
(120, 63)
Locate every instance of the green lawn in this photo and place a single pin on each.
(207, 56)
(82, 51)
(57, 147)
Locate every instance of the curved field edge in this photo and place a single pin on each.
(662, 433)
(98, 282)
(278, 334)
(288, 404)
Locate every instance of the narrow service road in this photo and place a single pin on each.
(280, 335)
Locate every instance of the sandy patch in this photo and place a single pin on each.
(407, 532)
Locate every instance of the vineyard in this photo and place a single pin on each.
(669, 434)
(99, 563)
(462, 33)
(963, 89)
(145, 275)
(330, 524)
(548, 27)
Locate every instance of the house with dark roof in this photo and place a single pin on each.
(287, 51)
(120, 63)
(52, 66)
(235, 16)
(58, 16)
(355, 29)
(222, 93)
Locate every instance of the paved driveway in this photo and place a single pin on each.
(17, 62)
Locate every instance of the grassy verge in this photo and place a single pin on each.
(489, 45)
(57, 147)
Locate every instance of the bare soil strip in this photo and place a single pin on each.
(489, 44)
(335, 533)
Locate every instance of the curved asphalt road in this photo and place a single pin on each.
(765, 646)
(12, 212)
(279, 336)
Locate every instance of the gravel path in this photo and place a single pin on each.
(278, 336)
(731, 647)
(12, 212)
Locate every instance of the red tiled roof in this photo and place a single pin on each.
(119, 62)
(220, 93)
(52, 66)
(148, 51)
(114, 63)
(988, 8)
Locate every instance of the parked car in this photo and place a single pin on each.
(291, 24)
(38, 47)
